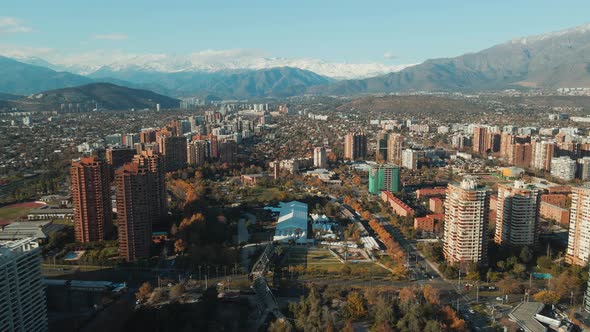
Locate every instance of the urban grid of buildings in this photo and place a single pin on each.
(127, 176)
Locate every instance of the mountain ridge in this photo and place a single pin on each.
(18, 78)
(558, 59)
(94, 95)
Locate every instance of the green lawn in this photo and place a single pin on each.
(11, 213)
(308, 257)
(322, 259)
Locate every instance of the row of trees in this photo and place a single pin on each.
(394, 249)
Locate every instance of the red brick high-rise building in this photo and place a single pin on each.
(520, 154)
(479, 139)
(148, 135)
(174, 150)
(466, 223)
(136, 202)
(493, 142)
(118, 156)
(154, 163)
(228, 151)
(90, 187)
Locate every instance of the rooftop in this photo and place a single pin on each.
(524, 316)
(11, 248)
(29, 229)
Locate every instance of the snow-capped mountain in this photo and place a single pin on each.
(206, 61)
(571, 33)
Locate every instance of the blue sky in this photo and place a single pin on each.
(339, 31)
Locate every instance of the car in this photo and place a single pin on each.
(471, 311)
(499, 298)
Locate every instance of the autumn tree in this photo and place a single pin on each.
(431, 294)
(452, 322)
(566, 284)
(180, 246)
(144, 292)
(407, 294)
(509, 285)
(356, 307)
(176, 292)
(279, 325)
(157, 296)
(547, 297)
(356, 180)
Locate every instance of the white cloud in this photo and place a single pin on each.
(17, 52)
(13, 25)
(389, 55)
(111, 36)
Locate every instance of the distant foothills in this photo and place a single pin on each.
(548, 61)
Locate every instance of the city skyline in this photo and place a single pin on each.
(197, 166)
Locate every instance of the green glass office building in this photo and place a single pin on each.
(384, 177)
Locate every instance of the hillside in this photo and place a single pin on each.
(560, 59)
(87, 97)
(411, 105)
(8, 96)
(23, 79)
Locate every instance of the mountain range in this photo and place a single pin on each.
(20, 78)
(235, 84)
(559, 59)
(209, 62)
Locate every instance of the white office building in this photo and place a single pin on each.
(517, 215)
(22, 295)
(563, 168)
(410, 159)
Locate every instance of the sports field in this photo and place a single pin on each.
(17, 211)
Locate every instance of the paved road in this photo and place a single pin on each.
(451, 290)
